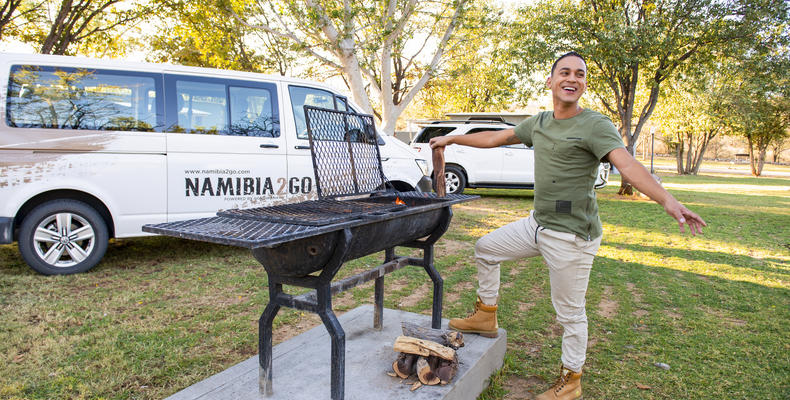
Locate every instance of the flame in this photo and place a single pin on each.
(399, 201)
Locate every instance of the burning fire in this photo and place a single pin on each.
(399, 201)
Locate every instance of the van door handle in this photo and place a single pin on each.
(269, 146)
(302, 147)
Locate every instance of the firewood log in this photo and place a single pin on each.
(404, 365)
(425, 373)
(421, 347)
(446, 370)
(438, 171)
(452, 339)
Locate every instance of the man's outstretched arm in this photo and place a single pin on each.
(636, 174)
(485, 139)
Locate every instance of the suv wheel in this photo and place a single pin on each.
(63, 237)
(454, 179)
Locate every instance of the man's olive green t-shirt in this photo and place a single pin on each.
(567, 155)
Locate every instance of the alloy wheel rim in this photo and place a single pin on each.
(64, 239)
(451, 182)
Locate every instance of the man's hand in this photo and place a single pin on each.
(684, 216)
(440, 141)
(635, 173)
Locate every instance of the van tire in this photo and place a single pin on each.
(455, 179)
(57, 252)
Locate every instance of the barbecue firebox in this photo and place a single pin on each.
(305, 244)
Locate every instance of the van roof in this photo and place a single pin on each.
(72, 61)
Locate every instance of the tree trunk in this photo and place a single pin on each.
(707, 137)
(761, 160)
(679, 154)
(55, 31)
(689, 154)
(626, 189)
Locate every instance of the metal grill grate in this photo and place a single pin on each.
(315, 212)
(345, 152)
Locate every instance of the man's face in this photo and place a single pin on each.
(569, 80)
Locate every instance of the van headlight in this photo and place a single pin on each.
(423, 164)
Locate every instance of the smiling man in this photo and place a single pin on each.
(564, 227)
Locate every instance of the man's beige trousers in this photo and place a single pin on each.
(569, 259)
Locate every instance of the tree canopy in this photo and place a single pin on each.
(386, 51)
(637, 45)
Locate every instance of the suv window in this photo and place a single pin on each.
(475, 130)
(78, 98)
(431, 132)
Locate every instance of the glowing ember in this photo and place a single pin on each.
(399, 201)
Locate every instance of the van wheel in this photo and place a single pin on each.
(63, 237)
(454, 179)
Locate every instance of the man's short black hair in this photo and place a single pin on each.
(568, 54)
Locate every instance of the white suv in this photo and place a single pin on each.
(510, 167)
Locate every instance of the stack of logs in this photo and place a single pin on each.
(428, 353)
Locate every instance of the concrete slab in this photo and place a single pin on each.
(301, 367)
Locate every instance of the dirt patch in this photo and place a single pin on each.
(448, 246)
(345, 300)
(455, 267)
(592, 342)
(392, 285)
(519, 388)
(673, 315)
(455, 295)
(640, 313)
(607, 308)
(637, 295)
(414, 298)
(287, 331)
(735, 321)
(524, 307)
(555, 330)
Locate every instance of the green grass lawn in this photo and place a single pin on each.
(159, 314)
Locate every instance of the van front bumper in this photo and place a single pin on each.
(425, 184)
(6, 230)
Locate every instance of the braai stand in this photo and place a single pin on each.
(305, 244)
(320, 300)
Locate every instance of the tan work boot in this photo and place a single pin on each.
(482, 321)
(567, 387)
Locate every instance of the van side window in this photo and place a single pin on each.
(212, 106)
(304, 96)
(251, 112)
(342, 105)
(78, 98)
(201, 108)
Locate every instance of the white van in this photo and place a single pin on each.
(93, 149)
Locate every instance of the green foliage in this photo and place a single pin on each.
(755, 101)
(207, 33)
(87, 27)
(479, 73)
(688, 120)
